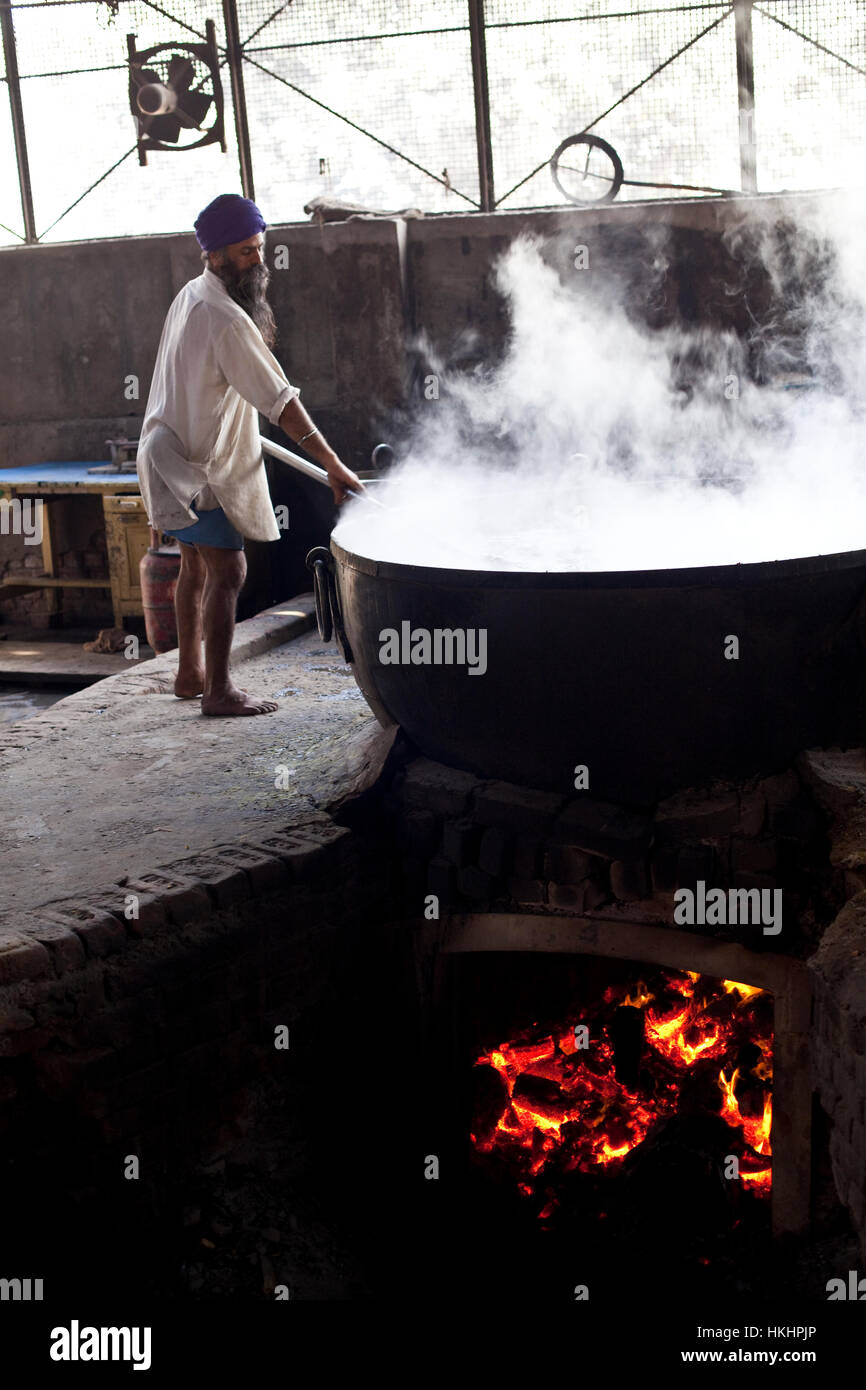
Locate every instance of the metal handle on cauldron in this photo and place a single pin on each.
(329, 616)
(319, 563)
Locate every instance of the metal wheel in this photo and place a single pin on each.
(591, 173)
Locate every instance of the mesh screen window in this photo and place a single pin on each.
(374, 103)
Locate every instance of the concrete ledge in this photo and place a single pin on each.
(253, 636)
(104, 788)
(65, 936)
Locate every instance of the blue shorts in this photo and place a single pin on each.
(212, 528)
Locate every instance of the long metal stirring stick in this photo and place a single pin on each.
(312, 470)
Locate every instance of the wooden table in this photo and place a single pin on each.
(126, 528)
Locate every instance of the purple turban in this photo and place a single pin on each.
(228, 219)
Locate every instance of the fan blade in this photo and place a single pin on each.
(142, 76)
(180, 73)
(166, 128)
(191, 109)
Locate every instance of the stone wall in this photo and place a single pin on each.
(82, 317)
(839, 1051)
(136, 1034)
(838, 783)
(499, 847)
(693, 262)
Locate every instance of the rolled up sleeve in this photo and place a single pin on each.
(251, 368)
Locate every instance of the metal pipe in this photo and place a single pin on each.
(235, 56)
(478, 46)
(18, 131)
(312, 470)
(746, 95)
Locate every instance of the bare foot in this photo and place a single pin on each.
(234, 701)
(189, 684)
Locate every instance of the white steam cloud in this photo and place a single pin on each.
(597, 443)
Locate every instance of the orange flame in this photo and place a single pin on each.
(588, 1117)
(755, 1130)
(745, 992)
(640, 998)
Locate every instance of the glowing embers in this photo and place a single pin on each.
(583, 1096)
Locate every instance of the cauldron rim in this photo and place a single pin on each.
(696, 576)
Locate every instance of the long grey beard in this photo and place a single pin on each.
(249, 289)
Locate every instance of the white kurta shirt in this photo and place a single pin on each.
(200, 436)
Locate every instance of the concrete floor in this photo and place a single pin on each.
(123, 777)
(44, 661)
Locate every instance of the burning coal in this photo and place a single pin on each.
(585, 1097)
(597, 443)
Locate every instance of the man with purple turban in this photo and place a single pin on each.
(200, 464)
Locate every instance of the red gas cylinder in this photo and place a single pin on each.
(159, 570)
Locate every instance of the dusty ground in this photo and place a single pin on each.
(106, 784)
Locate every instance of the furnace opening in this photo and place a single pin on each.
(659, 1057)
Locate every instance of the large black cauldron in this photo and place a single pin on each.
(624, 672)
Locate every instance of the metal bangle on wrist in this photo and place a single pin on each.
(307, 436)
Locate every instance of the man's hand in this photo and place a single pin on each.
(342, 480)
(296, 423)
